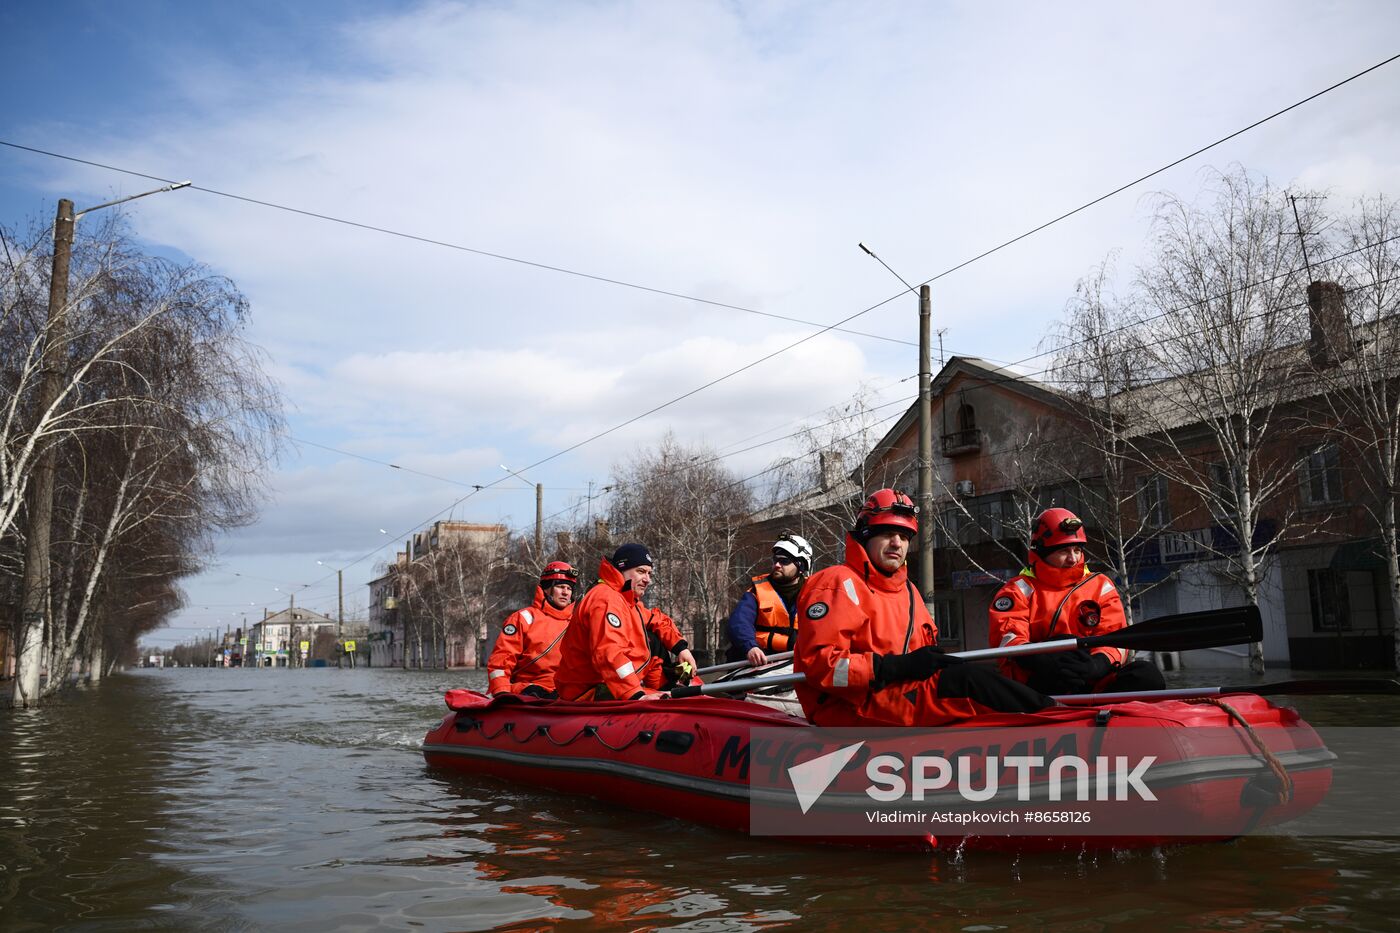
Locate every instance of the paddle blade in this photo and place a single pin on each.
(1214, 628)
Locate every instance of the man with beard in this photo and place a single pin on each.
(766, 618)
(869, 647)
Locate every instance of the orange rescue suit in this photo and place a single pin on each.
(1045, 603)
(773, 629)
(527, 649)
(850, 613)
(606, 644)
(654, 676)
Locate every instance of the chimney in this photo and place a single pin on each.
(1330, 341)
(832, 469)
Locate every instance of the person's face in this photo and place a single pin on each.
(784, 567)
(1065, 556)
(888, 548)
(559, 595)
(639, 577)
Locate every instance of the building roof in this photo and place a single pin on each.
(295, 615)
(969, 366)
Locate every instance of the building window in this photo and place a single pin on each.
(1152, 501)
(1328, 598)
(947, 615)
(1223, 499)
(967, 418)
(945, 533)
(1320, 473)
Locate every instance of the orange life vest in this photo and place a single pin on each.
(773, 629)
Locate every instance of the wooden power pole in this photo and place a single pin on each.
(539, 522)
(925, 446)
(41, 483)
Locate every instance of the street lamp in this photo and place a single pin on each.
(41, 485)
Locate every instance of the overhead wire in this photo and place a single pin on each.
(1009, 378)
(432, 241)
(765, 358)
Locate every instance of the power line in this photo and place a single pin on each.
(431, 241)
(989, 383)
(1170, 165)
(961, 265)
(401, 467)
(766, 357)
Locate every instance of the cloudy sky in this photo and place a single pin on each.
(733, 153)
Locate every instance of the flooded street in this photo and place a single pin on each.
(276, 800)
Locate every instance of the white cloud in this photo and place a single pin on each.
(734, 152)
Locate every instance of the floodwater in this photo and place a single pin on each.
(299, 800)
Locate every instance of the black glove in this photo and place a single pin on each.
(1070, 671)
(918, 664)
(1039, 666)
(535, 690)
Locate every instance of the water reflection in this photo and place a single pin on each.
(274, 800)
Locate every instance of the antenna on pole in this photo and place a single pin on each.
(1302, 240)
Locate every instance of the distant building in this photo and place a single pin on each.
(275, 641)
(395, 638)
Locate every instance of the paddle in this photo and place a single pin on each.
(735, 665)
(1282, 688)
(1213, 628)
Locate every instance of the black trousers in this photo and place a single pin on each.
(1140, 674)
(984, 685)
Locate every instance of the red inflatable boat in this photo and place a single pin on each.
(1222, 768)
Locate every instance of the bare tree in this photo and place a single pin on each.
(679, 501)
(162, 425)
(818, 490)
(1356, 341)
(1222, 294)
(1099, 363)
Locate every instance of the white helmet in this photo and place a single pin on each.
(796, 547)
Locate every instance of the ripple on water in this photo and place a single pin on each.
(265, 800)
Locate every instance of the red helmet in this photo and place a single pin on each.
(887, 507)
(558, 572)
(1057, 528)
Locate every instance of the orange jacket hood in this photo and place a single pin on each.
(610, 575)
(1056, 578)
(872, 576)
(544, 606)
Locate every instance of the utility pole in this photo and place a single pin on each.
(339, 616)
(539, 521)
(925, 445)
(34, 615)
(36, 549)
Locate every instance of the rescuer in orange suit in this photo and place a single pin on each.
(605, 653)
(869, 647)
(1057, 596)
(526, 650)
(664, 670)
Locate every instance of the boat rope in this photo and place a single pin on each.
(1285, 781)
(508, 728)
